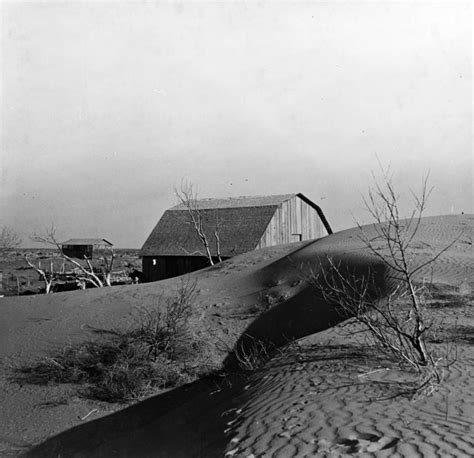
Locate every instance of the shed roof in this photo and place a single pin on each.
(87, 241)
(242, 222)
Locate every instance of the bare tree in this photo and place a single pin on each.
(9, 240)
(108, 260)
(188, 197)
(398, 332)
(216, 233)
(87, 274)
(47, 277)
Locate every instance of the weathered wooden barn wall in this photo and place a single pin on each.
(294, 220)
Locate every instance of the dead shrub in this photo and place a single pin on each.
(126, 365)
(397, 322)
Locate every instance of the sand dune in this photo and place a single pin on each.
(315, 399)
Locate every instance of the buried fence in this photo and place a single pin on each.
(14, 283)
(30, 282)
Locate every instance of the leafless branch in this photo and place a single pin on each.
(9, 240)
(47, 277)
(49, 237)
(188, 197)
(398, 332)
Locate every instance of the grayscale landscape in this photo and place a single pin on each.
(236, 229)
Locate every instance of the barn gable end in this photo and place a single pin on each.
(295, 220)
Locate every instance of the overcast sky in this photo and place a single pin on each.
(106, 107)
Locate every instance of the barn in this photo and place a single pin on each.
(243, 224)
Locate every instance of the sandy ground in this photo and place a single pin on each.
(323, 395)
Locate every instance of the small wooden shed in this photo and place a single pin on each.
(244, 224)
(84, 248)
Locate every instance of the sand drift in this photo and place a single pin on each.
(199, 419)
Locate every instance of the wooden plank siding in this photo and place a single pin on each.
(294, 220)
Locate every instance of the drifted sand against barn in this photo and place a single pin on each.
(320, 397)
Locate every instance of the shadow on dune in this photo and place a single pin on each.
(184, 422)
(307, 311)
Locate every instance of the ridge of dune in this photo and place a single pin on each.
(296, 405)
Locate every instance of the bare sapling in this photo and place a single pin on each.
(188, 197)
(216, 233)
(396, 321)
(9, 240)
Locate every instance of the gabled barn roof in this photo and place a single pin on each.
(239, 202)
(86, 242)
(240, 229)
(242, 222)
